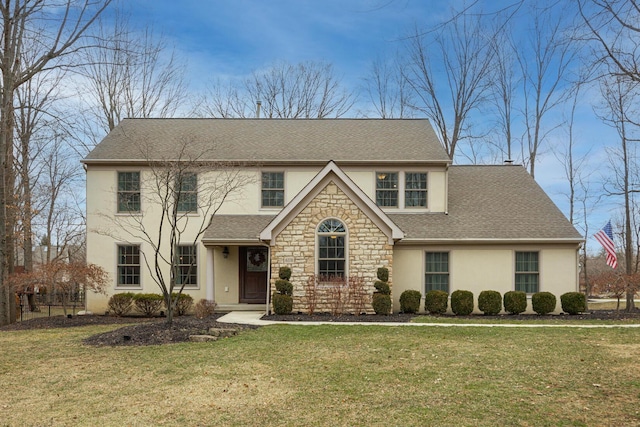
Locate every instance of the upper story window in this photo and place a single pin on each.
(387, 189)
(272, 189)
(527, 272)
(128, 191)
(331, 248)
(187, 188)
(415, 190)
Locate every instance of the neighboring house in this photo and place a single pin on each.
(335, 197)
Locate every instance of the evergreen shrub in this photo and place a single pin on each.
(462, 302)
(284, 287)
(121, 304)
(383, 274)
(573, 302)
(282, 304)
(490, 302)
(543, 302)
(184, 304)
(382, 287)
(515, 302)
(381, 303)
(284, 273)
(410, 301)
(435, 302)
(148, 304)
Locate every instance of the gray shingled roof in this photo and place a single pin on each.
(273, 140)
(485, 203)
(491, 202)
(236, 227)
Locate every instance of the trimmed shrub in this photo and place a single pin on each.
(284, 273)
(515, 302)
(462, 302)
(383, 274)
(490, 302)
(148, 304)
(573, 302)
(381, 303)
(410, 301)
(121, 304)
(284, 287)
(435, 302)
(543, 302)
(204, 308)
(382, 287)
(282, 304)
(185, 301)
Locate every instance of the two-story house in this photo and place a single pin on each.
(337, 198)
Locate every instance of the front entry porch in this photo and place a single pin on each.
(238, 277)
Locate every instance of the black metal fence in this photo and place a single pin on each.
(46, 305)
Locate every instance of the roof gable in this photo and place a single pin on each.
(331, 173)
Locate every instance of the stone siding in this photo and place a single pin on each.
(367, 248)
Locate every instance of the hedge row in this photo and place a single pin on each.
(491, 302)
(147, 304)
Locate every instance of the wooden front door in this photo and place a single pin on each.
(254, 263)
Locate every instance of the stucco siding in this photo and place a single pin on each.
(477, 268)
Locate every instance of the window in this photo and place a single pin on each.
(527, 277)
(437, 272)
(186, 266)
(415, 190)
(187, 188)
(272, 189)
(128, 191)
(128, 266)
(331, 248)
(387, 189)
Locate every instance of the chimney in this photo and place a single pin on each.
(258, 105)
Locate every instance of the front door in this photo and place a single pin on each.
(254, 263)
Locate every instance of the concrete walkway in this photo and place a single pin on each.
(254, 318)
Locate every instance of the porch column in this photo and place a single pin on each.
(210, 282)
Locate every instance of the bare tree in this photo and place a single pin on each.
(175, 187)
(504, 81)
(613, 27)
(301, 91)
(130, 73)
(35, 118)
(545, 58)
(388, 90)
(447, 70)
(620, 95)
(54, 29)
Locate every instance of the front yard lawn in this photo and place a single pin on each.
(326, 375)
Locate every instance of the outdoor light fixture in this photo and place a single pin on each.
(225, 252)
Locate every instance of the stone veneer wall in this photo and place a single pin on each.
(367, 246)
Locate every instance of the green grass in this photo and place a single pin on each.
(505, 320)
(327, 375)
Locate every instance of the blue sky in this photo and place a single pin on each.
(232, 38)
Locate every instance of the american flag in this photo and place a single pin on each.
(605, 238)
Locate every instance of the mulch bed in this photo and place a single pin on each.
(145, 331)
(154, 331)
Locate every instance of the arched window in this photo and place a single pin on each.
(331, 248)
